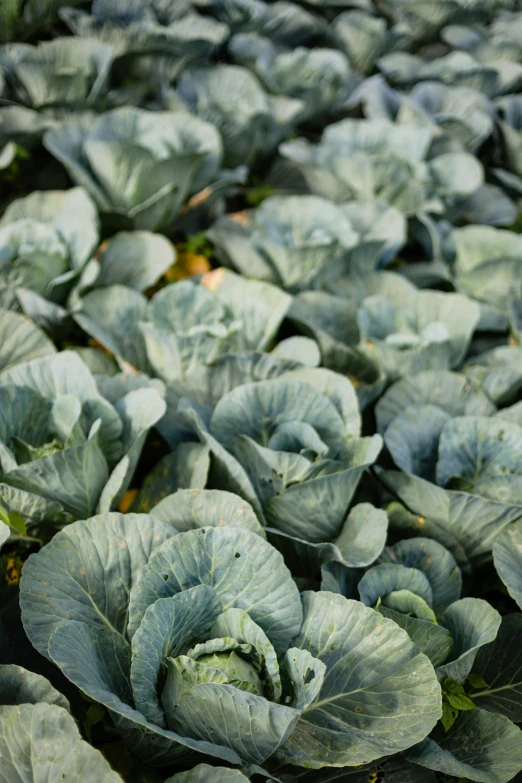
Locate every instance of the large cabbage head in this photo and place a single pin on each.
(370, 160)
(199, 642)
(185, 324)
(49, 81)
(301, 242)
(289, 445)
(460, 69)
(137, 165)
(288, 240)
(46, 239)
(284, 22)
(67, 73)
(320, 77)
(425, 18)
(151, 45)
(251, 122)
(429, 330)
(65, 450)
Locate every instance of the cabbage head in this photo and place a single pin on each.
(139, 166)
(65, 450)
(199, 642)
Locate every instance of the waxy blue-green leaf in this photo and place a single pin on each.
(472, 623)
(167, 627)
(42, 742)
(507, 557)
(237, 624)
(308, 501)
(431, 330)
(20, 340)
(321, 77)
(97, 661)
(64, 373)
(72, 213)
(381, 580)
(136, 259)
(412, 439)
(136, 164)
(189, 509)
(204, 773)
(365, 655)
(33, 256)
(482, 252)
(61, 71)
(465, 524)
(446, 390)
(73, 478)
(436, 563)
(112, 315)
(498, 664)
(139, 410)
(89, 568)
(206, 384)
(304, 675)
(301, 349)
(337, 388)
(24, 415)
(186, 467)
(258, 410)
(245, 571)
(363, 535)
(359, 543)
(292, 240)
(481, 746)
(498, 373)
(433, 640)
(251, 122)
(226, 471)
(210, 710)
(362, 37)
(34, 508)
(20, 686)
(261, 307)
(485, 455)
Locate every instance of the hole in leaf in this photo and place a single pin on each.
(237, 554)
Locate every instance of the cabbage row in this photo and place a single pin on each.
(261, 391)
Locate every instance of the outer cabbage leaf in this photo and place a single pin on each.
(465, 524)
(498, 664)
(90, 557)
(204, 773)
(365, 654)
(507, 559)
(481, 745)
(445, 390)
(20, 340)
(20, 686)
(189, 509)
(43, 740)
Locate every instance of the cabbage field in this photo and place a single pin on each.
(260, 391)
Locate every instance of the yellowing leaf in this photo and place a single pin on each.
(187, 265)
(127, 500)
